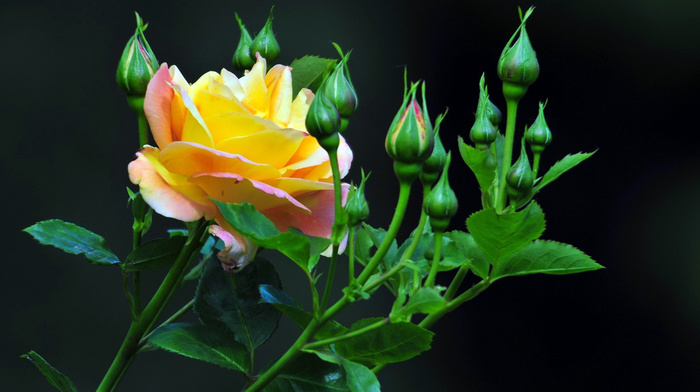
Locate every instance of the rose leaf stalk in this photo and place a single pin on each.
(337, 224)
(142, 325)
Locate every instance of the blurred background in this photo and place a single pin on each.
(621, 78)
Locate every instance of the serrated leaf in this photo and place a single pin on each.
(477, 161)
(53, 376)
(565, 164)
(232, 301)
(499, 236)
(308, 373)
(545, 257)
(286, 304)
(299, 247)
(73, 239)
(359, 377)
(309, 71)
(154, 254)
(463, 244)
(424, 300)
(390, 343)
(363, 246)
(377, 236)
(202, 342)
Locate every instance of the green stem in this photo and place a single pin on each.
(512, 107)
(143, 129)
(140, 326)
(137, 276)
(183, 310)
(432, 318)
(337, 225)
(351, 256)
(456, 282)
(348, 335)
(430, 281)
(535, 164)
(404, 192)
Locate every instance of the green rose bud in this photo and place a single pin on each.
(484, 132)
(265, 42)
(436, 161)
(410, 138)
(242, 58)
(441, 203)
(323, 120)
(356, 206)
(538, 135)
(340, 90)
(138, 64)
(520, 178)
(493, 113)
(518, 67)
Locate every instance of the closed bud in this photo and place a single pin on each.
(410, 138)
(493, 113)
(242, 57)
(323, 119)
(356, 206)
(538, 135)
(520, 177)
(441, 203)
(518, 67)
(436, 161)
(265, 42)
(138, 64)
(340, 90)
(484, 132)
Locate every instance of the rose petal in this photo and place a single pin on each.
(190, 159)
(256, 96)
(300, 107)
(279, 85)
(238, 251)
(169, 194)
(157, 106)
(194, 129)
(283, 143)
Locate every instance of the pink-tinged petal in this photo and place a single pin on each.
(272, 146)
(178, 109)
(169, 194)
(233, 188)
(256, 96)
(238, 251)
(300, 107)
(190, 159)
(157, 106)
(318, 223)
(344, 157)
(194, 129)
(279, 85)
(298, 186)
(177, 77)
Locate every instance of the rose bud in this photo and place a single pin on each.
(323, 120)
(356, 206)
(520, 178)
(441, 203)
(436, 161)
(483, 132)
(340, 90)
(518, 67)
(137, 65)
(410, 138)
(242, 58)
(538, 135)
(265, 42)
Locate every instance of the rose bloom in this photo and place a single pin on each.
(236, 140)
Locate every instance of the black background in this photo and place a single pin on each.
(621, 77)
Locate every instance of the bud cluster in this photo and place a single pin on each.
(264, 43)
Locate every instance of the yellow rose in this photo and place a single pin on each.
(235, 140)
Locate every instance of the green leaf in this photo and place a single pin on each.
(232, 301)
(205, 343)
(561, 167)
(545, 257)
(359, 377)
(308, 373)
(377, 236)
(309, 72)
(424, 300)
(464, 246)
(499, 236)
(285, 304)
(477, 161)
(154, 254)
(363, 245)
(390, 343)
(55, 378)
(73, 239)
(302, 249)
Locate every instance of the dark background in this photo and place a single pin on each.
(621, 77)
